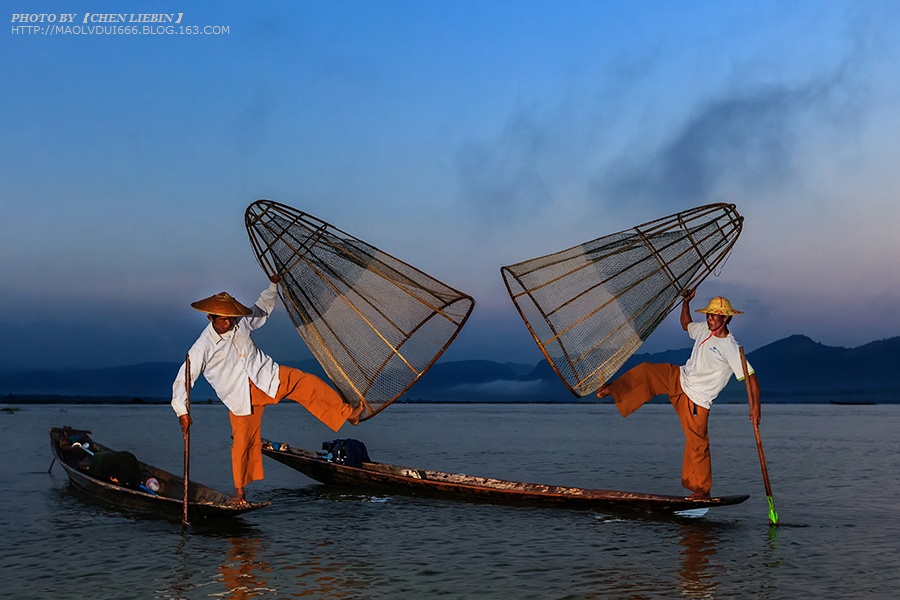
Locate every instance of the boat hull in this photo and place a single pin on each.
(395, 479)
(203, 503)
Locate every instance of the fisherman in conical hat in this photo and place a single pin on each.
(693, 387)
(247, 380)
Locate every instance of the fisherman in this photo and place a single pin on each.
(246, 380)
(691, 388)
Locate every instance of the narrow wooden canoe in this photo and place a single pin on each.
(203, 502)
(394, 479)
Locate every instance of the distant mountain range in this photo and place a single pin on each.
(794, 369)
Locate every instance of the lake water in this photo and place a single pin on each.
(833, 470)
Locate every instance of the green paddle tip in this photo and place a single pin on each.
(773, 515)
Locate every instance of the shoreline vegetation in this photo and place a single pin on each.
(794, 370)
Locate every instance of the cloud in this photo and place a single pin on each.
(750, 141)
(507, 176)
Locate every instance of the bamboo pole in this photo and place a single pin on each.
(187, 440)
(773, 515)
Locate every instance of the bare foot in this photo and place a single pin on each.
(699, 496)
(603, 392)
(239, 497)
(356, 414)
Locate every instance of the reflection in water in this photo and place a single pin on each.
(772, 547)
(411, 548)
(698, 578)
(178, 583)
(323, 573)
(242, 573)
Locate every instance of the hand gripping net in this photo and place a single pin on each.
(373, 322)
(590, 307)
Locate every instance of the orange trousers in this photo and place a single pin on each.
(639, 385)
(315, 395)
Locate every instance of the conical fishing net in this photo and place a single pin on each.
(590, 307)
(373, 322)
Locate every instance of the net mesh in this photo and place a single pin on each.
(373, 322)
(589, 308)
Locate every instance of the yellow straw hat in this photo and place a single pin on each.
(719, 306)
(222, 304)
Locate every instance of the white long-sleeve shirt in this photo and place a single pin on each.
(230, 361)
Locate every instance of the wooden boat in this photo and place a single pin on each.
(168, 501)
(394, 479)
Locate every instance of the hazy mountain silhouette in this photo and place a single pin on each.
(793, 369)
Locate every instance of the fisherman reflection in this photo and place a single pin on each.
(323, 576)
(242, 572)
(699, 578)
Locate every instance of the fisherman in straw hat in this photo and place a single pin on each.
(246, 380)
(691, 388)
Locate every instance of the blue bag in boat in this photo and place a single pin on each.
(348, 452)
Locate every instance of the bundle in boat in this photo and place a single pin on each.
(374, 322)
(589, 308)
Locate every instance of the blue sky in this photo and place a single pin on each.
(459, 136)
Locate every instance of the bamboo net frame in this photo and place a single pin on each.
(374, 322)
(590, 307)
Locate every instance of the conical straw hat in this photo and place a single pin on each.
(719, 306)
(222, 304)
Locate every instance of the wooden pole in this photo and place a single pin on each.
(187, 439)
(773, 516)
